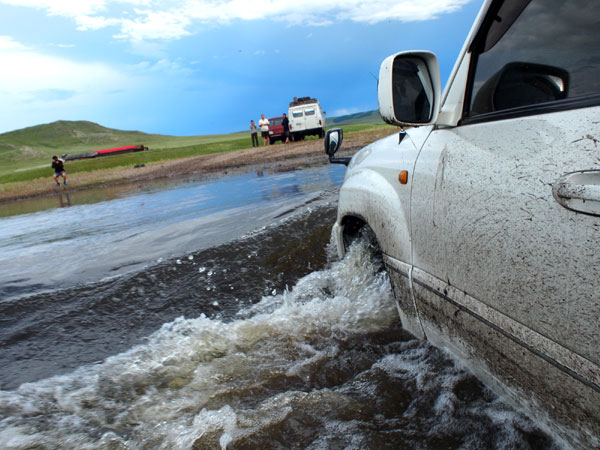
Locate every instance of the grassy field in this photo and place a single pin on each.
(26, 154)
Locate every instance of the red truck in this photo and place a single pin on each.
(276, 130)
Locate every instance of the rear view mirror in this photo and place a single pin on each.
(521, 84)
(333, 142)
(409, 88)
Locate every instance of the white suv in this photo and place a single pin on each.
(487, 207)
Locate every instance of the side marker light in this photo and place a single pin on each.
(403, 177)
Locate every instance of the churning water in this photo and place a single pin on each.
(262, 342)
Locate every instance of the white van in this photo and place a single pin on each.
(306, 118)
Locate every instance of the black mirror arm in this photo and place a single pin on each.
(345, 160)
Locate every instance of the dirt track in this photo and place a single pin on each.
(294, 154)
(278, 156)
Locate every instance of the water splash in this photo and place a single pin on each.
(322, 365)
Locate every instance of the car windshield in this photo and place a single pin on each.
(275, 121)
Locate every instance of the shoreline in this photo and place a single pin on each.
(278, 157)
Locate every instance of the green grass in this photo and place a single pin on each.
(34, 146)
(128, 159)
(26, 154)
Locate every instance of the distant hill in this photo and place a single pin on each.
(41, 140)
(368, 117)
(33, 146)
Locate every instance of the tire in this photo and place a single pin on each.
(271, 140)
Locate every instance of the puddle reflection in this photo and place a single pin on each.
(64, 199)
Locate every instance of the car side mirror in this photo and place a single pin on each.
(333, 142)
(409, 88)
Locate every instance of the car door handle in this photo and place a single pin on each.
(579, 191)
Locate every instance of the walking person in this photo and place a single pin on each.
(286, 128)
(59, 170)
(254, 133)
(264, 129)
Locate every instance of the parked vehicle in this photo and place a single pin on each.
(276, 130)
(306, 118)
(487, 212)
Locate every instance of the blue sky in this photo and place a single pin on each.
(188, 67)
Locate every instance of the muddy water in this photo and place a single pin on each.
(105, 234)
(262, 341)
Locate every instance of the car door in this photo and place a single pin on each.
(491, 224)
(297, 118)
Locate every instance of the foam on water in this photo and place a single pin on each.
(321, 365)
(165, 382)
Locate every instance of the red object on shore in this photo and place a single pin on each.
(105, 152)
(120, 149)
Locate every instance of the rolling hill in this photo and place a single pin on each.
(41, 141)
(362, 118)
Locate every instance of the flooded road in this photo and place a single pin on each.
(86, 242)
(235, 328)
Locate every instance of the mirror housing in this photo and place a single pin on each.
(409, 89)
(333, 142)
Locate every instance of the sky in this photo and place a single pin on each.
(196, 67)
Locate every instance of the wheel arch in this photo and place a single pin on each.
(367, 198)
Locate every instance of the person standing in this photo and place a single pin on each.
(286, 128)
(59, 170)
(264, 129)
(254, 133)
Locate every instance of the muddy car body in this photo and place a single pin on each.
(487, 208)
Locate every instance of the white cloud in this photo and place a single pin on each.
(39, 88)
(29, 71)
(8, 43)
(79, 10)
(173, 19)
(155, 25)
(32, 81)
(68, 8)
(404, 11)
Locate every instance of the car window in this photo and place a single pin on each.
(549, 53)
(275, 122)
(309, 112)
(297, 114)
